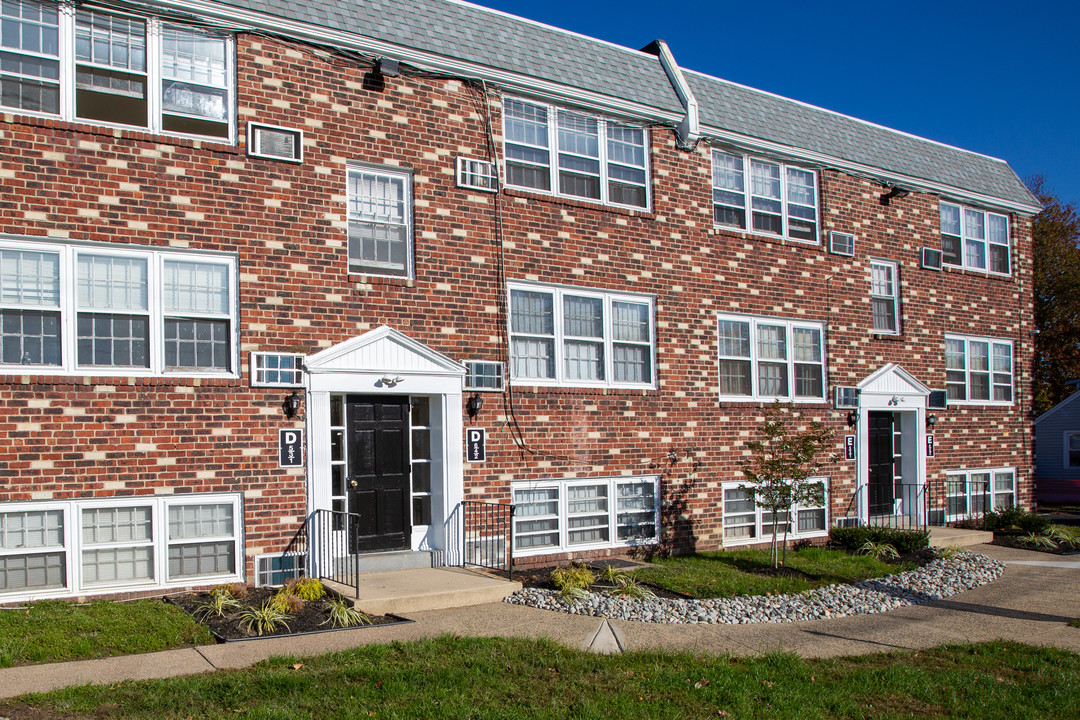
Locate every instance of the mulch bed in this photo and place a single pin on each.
(541, 578)
(311, 618)
(1012, 539)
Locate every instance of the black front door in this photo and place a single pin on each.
(378, 434)
(879, 438)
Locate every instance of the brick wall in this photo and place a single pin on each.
(106, 436)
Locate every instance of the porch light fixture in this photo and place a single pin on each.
(291, 405)
(474, 405)
(931, 421)
(391, 380)
(895, 191)
(852, 418)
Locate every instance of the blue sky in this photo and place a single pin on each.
(1000, 78)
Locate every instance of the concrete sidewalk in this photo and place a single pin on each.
(1030, 603)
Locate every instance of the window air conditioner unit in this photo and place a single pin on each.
(938, 400)
(275, 143)
(847, 398)
(841, 243)
(931, 258)
(476, 174)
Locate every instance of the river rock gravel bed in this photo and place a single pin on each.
(937, 579)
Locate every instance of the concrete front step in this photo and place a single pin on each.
(399, 592)
(384, 561)
(958, 537)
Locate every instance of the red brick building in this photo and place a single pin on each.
(259, 261)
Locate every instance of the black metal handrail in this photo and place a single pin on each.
(487, 538)
(329, 557)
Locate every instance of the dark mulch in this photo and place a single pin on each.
(541, 578)
(311, 617)
(1013, 539)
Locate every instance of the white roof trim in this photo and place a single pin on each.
(918, 387)
(1067, 401)
(323, 360)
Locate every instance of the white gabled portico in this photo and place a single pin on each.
(386, 365)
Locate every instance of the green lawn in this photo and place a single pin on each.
(56, 630)
(500, 678)
(731, 572)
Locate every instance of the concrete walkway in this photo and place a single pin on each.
(1030, 603)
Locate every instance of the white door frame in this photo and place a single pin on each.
(386, 362)
(891, 389)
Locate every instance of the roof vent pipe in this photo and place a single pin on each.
(689, 130)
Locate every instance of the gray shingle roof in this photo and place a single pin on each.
(495, 40)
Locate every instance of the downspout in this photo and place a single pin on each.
(688, 131)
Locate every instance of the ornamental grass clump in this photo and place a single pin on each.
(220, 604)
(573, 580)
(305, 588)
(263, 620)
(627, 585)
(341, 614)
(1039, 541)
(878, 550)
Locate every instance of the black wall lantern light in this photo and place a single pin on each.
(852, 418)
(895, 191)
(931, 421)
(474, 405)
(291, 405)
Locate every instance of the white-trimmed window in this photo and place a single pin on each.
(972, 493)
(974, 239)
(746, 523)
(380, 222)
(583, 514)
(570, 336)
(562, 152)
(978, 370)
(1072, 449)
(770, 358)
(885, 297)
(779, 199)
(484, 375)
(109, 309)
(276, 369)
(109, 544)
(116, 68)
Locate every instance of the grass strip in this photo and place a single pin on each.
(735, 572)
(58, 630)
(511, 678)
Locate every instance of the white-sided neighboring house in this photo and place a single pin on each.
(1057, 452)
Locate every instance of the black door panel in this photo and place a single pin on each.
(879, 436)
(378, 436)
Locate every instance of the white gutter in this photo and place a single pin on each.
(689, 129)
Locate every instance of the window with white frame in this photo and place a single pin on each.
(779, 199)
(380, 222)
(581, 514)
(885, 297)
(745, 522)
(554, 150)
(770, 358)
(277, 369)
(97, 308)
(115, 68)
(974, 239)
(483, 375)
(1072, 449)
(972, 493)
(109, 544)
(570, 336)
(978, 370)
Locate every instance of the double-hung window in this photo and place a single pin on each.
(974, 239)
(96, 308)
(115, 68)
(1072, 449)
(978, 370)
(578, 514)
(973, 493)
(770, 358)
(553, 150)
(885, 297)
(778, 199)
(580, 337)
(380, 222)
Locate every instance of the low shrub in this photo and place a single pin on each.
(573, 577)
(1033, 523)
(1007, 518)
(286, 602)
(903, 540)
(305, 588)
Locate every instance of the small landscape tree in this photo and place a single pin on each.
(783, 460)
